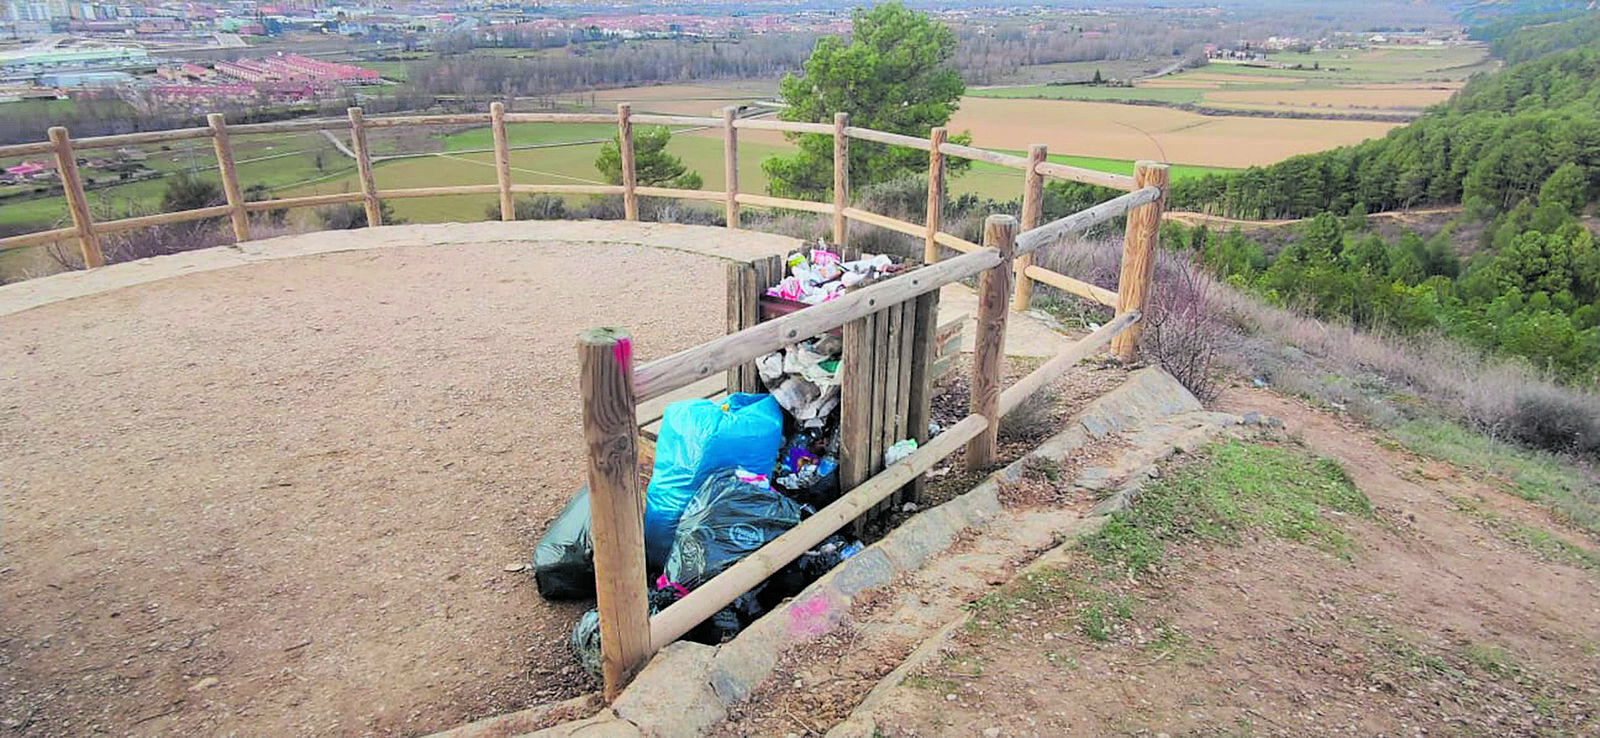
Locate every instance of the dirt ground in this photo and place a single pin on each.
(281, 499)
(1435, 625)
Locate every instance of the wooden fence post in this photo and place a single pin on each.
(502, 160)
(1032, 216)
(630, 199)
(730, 164)
(841, 184)
(72, 186)
(1139, 255)
(930, 246)
(988, 351)
(230, 177)
(616, 508)
(369, 184)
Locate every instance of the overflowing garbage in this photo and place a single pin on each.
(820, 275)
(731, 475)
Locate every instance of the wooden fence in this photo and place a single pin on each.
(613, 387)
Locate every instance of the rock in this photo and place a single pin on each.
(991, 733)
(519, 566)
(950, 697)
(204, 683)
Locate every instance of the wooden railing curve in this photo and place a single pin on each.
(612, 387)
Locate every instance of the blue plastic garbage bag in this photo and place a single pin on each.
(699, 437)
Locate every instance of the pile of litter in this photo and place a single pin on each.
(731, 475)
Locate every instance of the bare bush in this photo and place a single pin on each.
(1182, 331)
(1032, 419)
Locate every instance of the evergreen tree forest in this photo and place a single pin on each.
(1519, 150)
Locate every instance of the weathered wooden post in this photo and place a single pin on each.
(1032, 215)
(841, 183)
(72, 186)
(630, 199)
(988, 352)
(616, 508)
(369, 185)
(502, 160)
(930, 244)
(1139, 255)
(230, 177)
(730, 164)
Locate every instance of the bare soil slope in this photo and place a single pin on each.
(1432, 622)
(279, 499)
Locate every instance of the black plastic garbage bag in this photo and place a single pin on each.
(563, 562)
(585, 641)
(726, 520)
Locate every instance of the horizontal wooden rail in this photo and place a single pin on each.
(27, 149)
(682, 616)
(461, 119)
(34, 239)
(676, 120)
(720, 354)
(1083, 349)
(959, 244)
(768, 124)
(488, 189)
(1084, 219)
(884, 221)
(146, 221)
(710, 195)
(783, 202)
(984, 155)
(288, 126)
(555, 189)
(302, 202)
(561, 118)
(134, 139)
(893, 139)
(1077, 287)
(1088, 176)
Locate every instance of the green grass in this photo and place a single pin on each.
(1539, 541)
(1235, 488)
(1232, 489)
(1532, 475)
(525, 134)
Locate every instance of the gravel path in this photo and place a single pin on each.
(279, 498)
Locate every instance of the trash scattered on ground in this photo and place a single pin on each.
(808, 466)
(563, 562)
(699, 438)
(899, 450)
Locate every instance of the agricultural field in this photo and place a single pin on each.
(1129, 132)
(1389, 80)
(1096, 135)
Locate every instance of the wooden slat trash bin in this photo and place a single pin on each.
(886, 373)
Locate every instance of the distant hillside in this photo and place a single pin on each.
(1493, 144)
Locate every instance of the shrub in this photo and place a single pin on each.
(538, 207)
(1183, 332)
(1553, 420)
(352, 215)
(1035, 418)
